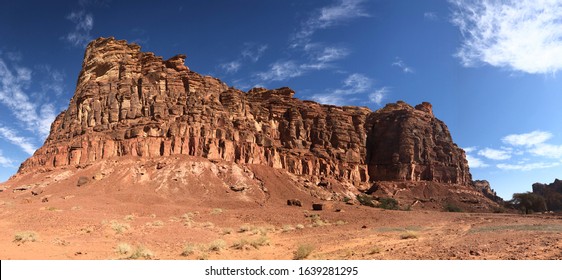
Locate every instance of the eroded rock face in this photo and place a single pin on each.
(410, 144)
(129, 102)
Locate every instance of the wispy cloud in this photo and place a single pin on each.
(352, 87)
(495, 154)
(526, 151)
(341, 12)
(521, 35)
(431, 16)
(83, 25)
(5, 162)
(527, 139)
(398, 62)
(35, 117)
(24, 143)
(527, 166)
(474, 162)
(253, 51)
(281, 70)
(231, 67)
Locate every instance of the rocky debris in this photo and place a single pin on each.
(45, 199)
(37, 191)
(22, 188)
(294, 202)
(82, 181)
(317, 206)
(133, 103)
(98, 176)
(238, 188)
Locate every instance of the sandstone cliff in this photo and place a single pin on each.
(133, 103)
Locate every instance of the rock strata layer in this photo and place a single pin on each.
(129, 102)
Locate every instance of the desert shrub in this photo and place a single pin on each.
(388, 203)
(259, 242)
(226, 231)
(240, 244)
(141, 252)
(129, 218)
(124, 249)
(287, 228)
(409, 235)
(188, 249)
(374, 250)
(299, 226)
(25, 236)
(449, 207)
(367, 200)
(303, 251)
(217, 245)
(245, 228)
(119, 227)
(216, 211)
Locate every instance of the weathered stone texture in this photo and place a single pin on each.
(129, 102)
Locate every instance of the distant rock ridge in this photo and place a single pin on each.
(552, 194)
(129, 102)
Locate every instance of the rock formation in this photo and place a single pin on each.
(410, 144)
(129, 102)
(552, 194)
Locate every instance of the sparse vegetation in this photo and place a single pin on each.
(157, 223)
(141, 252)
(207, 225)
(299, 226)
(245, 228)
(240, 244)
(375, 250)
(287, 228)
(216, 245)
(216, 211)
(449, 207)
(226, 231)
(188, 249)
(367, 200)
(340, 223)
(303, 251)
(123, 249)
(129, 218)
(409, 235)
(119, 227)
(25, 236)
(547, 228)
(388, 203)
(259, 242)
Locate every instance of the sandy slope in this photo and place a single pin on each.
(164, 205)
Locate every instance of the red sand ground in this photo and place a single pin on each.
(179, 203)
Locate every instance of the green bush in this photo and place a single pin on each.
(451, 208)
(367, 200)
(388, 203)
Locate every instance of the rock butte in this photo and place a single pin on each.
(133, 103)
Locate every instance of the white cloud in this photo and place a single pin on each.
(527, 139)
(231, 67)
(521, 35)
(329, 54)
(5, 162)
(527, 166)
(354, 85)
(469, 149)
(329, 16)
(253, 52)
(495, 154)
(474, 162)
(547, 150)
(432, 16)
(84, 23)
(36, 117)
(378, 95)
(24, 143)
(400, 64)
(281, 70)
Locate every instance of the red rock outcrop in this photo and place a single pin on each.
(129, 102)
(133, 103)
(410, 144)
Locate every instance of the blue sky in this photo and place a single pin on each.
(490, 68)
